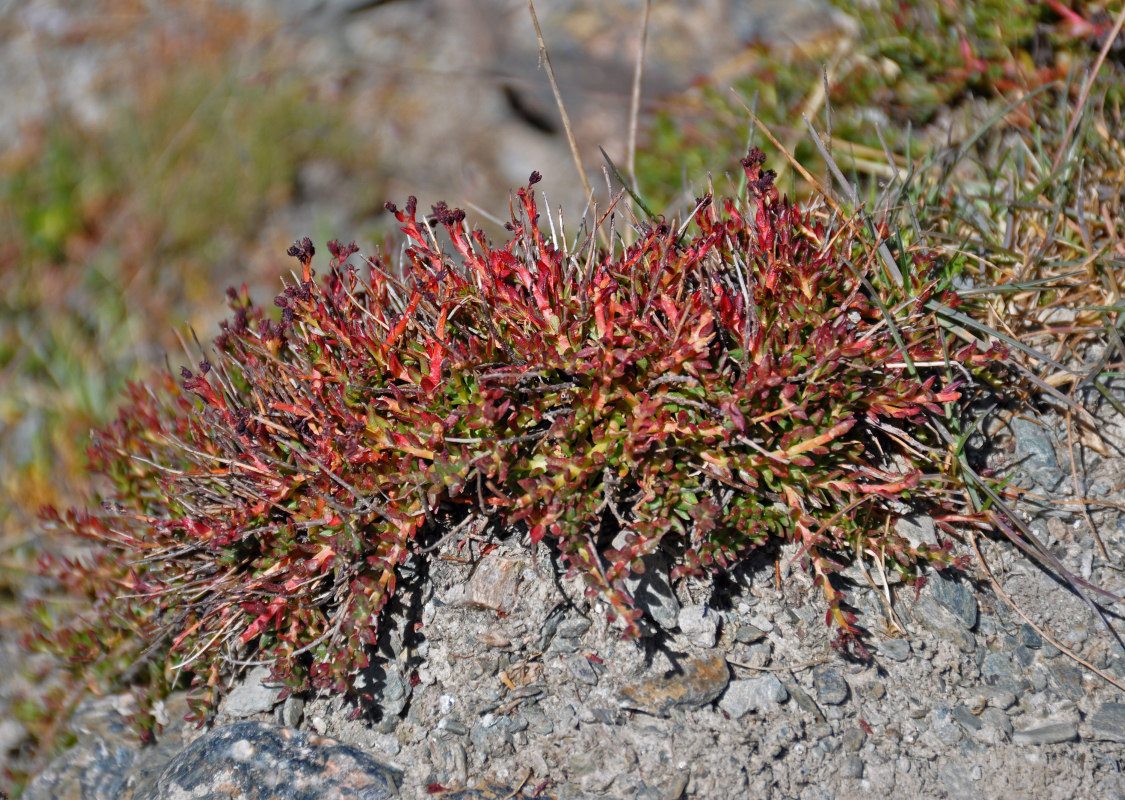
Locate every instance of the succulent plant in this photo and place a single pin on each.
(755, 376)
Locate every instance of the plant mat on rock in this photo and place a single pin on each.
(418, 367)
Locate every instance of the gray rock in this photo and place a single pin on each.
(699, 624)
(258, 761)
(957, 597)
(1029, 637)
(1051, 733)
(754, 694)
(831, 688)
(852, 767)
(252, 695)
(749, 634)
(917, 529)
(967, 720)
(290, 713)
(581, 669)
(573, 627)
(853, 739)
(944, 623)
(995, 718)
(1108, 723)
(652, 592)
(895, 649)
(1036, 452)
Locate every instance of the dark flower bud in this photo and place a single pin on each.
(534, 179)
(204, 366)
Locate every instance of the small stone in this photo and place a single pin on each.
(581, 669)
(995, 718)
(494, 585)
(1051, 733)
(917, 529)
(852, 767)
(695, 684)
(748, 634)
(754, 694)
(573, 627)
(957, 597)
(945, 727)
(252, 696)
(830, 687)
(876, 691)
(1002, 699)
(853, 739)
(1108, 722)
(1024, 656)
(651, 591)
(699, 624)
(452, 725)
(1029, 637)
(291, 711)
(804, 702)
(895, 649)
(965, 718)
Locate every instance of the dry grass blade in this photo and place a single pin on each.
(546, 59)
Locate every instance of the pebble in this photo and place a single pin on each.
(696, 683)
(1108, 722)
(754, 694)
(1029, 637)
(831, 688)
(494, 584)
(957, 597)
(1036, 453)
(1051, 733)
(652, 592)
(258, 761)
(700, 625)
(252, 695)
(895, 649)
(581, 669)
(749, 634)
(852, 767)
(853, 739)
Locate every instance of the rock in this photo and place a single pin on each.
(895, 649)
(831, 688)
(749, 634)
(918, 529)
(252, 695)
(1051, 733)
(853, 739)
(1107, 723)
(957, 597)
(754, 694)
(700, 625)
(651, 589)
(696, 683)
(1029, 637)
(581, 669)
(258, 761)
(852, 767)
(493, 585)
(1036, 453)
(944, 623)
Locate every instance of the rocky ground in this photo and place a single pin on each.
(499, 675)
